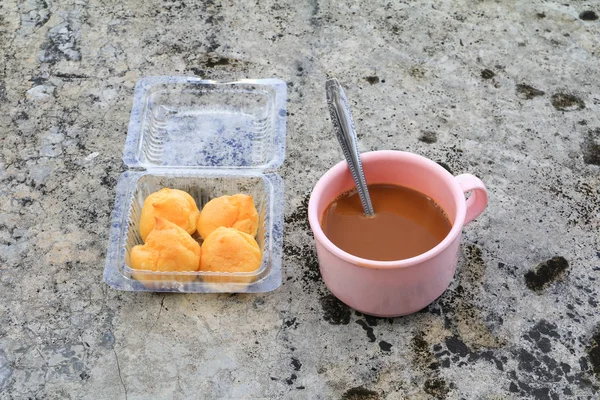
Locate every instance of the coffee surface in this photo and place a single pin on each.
(406, 223)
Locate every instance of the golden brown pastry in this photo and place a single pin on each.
(168, 248)
(173, 205)
(237, 211)
(229, 250)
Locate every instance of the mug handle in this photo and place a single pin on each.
(478, 200)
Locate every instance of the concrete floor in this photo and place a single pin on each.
(506, 90)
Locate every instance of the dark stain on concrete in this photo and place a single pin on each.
(385, 346)
(417, 72)
(445, 166)
(546, 273)
(218, 61)
(198, 72)
(458, 353)
(296, 364)
(487, 74)
(372, 79)
(291, 323)
(291, 379)
(538, 375)
(299, 217)
(367, 329)
(428, 137)
(315, 19)
(462, 313)
(420, 347)
(457, 346)
(528, 92)
(567, 102)
(371, 320)
(108, 179)
(307, 257)
(476, 266)
(2, 91)
(541, 335)
(588, 15)
(334, 311)
(426, 361)
(591, 147)
(594, 353)
(360, 393)
(436, 387)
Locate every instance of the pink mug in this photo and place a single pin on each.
(394, 288)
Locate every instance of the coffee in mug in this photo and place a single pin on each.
(406, 223)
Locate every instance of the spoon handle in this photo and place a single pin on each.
(343, 124)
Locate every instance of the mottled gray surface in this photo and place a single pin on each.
(506, 90)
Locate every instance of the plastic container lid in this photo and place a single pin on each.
(182, 122)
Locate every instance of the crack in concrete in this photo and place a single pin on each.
(179, 388)
(119, 371)
(158, 316)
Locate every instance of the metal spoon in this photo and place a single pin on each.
(343, 125)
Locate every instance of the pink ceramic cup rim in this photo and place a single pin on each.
(341, 167)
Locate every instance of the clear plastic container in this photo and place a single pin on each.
(208, 139)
